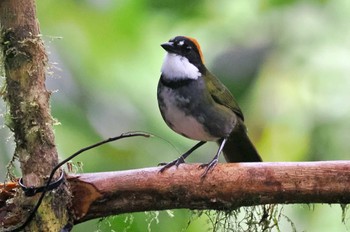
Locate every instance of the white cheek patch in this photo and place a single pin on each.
(181, 43)
(178, 67)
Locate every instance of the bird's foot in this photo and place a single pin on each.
(176, 162)
(208, 167)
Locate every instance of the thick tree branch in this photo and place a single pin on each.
(228, 186)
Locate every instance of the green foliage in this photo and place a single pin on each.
(178, 9)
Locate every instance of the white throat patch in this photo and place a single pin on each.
(178, 67)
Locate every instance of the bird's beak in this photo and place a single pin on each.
(169, 47)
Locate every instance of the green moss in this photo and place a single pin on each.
(48, 216)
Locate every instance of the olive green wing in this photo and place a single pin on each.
(221, 94)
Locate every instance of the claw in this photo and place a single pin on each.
(176, 162)
(209, 166)
(214, 161)
(181, 159)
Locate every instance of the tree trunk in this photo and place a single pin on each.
(25, 63)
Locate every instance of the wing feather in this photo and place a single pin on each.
(221, 94)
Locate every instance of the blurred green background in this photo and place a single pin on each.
(286, 61)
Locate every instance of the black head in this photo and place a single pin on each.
(186, 47)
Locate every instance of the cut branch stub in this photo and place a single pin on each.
(227, 187)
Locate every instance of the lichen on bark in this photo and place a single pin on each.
(29, 117)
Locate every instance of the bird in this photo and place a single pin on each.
(195, 104)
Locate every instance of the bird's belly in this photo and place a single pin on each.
(182, 123)
(186, 125)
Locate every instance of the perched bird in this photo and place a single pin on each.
(194, 103)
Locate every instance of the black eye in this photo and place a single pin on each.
(188, 48)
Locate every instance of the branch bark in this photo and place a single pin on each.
(227, 187)
(28, 102)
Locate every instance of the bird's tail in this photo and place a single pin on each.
(238, 147)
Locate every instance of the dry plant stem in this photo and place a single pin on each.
(28, 102)
(228, 186)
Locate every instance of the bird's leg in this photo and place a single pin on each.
(214, 161)
(182, 158)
